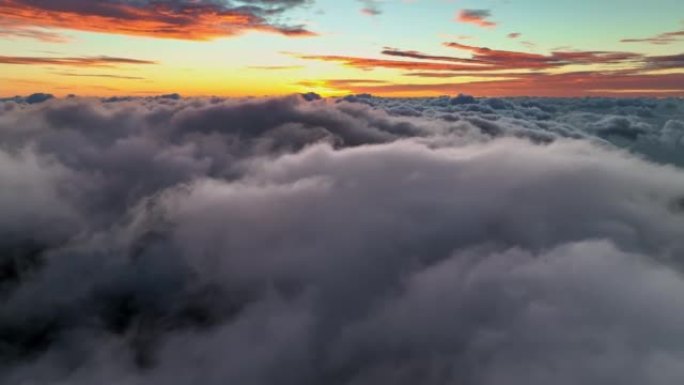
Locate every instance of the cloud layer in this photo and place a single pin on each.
(175, 19)
(361, 240)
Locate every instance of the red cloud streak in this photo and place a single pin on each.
(565, 85)
(476, 16)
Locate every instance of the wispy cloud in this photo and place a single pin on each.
(551, 85)
(508, 73)
(107, 76)
(371, 7)
(372, 63)
(661, 39)
(485, 59)
(518, 59)
(418, 55)
(275, 68)
(665, 62)
(13, 30)
(76, 61)
(479, 17)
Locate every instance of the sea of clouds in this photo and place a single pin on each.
(352, 241)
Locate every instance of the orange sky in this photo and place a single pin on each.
(397, 48)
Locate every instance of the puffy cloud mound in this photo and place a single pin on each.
(363, 240)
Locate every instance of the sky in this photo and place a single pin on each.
(560, 48)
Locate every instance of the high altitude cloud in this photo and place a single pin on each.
(666, 62)
(77, 61)
(661, 39)
(371, 7)
(486, 59)
(371, 63)
(97, 75)
(573, 84)
(13, 30)
(175, 19)
(479, 17)
(355, 241)
(419, 55)
(511, 73)
(276, 68)
(532, 60)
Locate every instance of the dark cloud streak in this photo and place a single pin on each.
(77, 61)
(661, 39)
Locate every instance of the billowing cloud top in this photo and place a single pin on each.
(362, 240)
(177, 19)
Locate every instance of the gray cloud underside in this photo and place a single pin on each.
(358, 241)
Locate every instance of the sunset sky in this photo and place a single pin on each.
(336, 47)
